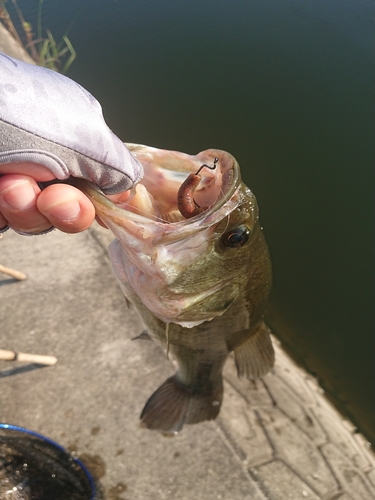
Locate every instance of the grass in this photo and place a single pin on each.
(44, 50)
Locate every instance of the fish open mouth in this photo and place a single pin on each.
(165, 205)
(177, 187)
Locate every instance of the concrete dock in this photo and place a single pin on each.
(278, 439)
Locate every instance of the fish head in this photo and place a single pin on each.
(188, 271)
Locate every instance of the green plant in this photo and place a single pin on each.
(45, 51)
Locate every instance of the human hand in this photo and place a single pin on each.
(52, 128)
(28, 209)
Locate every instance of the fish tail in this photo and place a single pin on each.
(174, 404)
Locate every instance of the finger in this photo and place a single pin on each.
(66, 208)
(18, 194)
(34, 170)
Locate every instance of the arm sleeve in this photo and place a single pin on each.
(49, 119)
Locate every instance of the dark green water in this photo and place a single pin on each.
(287, 88)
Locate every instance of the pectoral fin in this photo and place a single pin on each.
(255, 357)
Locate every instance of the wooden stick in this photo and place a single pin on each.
(12, 272)
(31, 358)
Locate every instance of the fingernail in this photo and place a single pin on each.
(64, 211)
(19, 196)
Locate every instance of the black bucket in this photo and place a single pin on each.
(33, 467)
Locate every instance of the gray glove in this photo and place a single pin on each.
(47, 118)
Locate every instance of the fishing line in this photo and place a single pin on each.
(226, 226)
(167, 338)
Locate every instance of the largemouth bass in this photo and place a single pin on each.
(190, 255)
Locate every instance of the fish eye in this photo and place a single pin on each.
(236, 238)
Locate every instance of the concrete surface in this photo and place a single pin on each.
(279, 439)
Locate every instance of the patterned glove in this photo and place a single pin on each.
(47, 118)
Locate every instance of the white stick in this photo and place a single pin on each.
(12, 272)
(31, 358)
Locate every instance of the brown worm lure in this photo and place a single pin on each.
(185, 196)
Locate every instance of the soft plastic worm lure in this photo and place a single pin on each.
(185, 196)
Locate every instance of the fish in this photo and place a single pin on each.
(190, 255)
